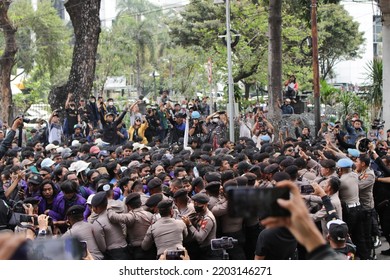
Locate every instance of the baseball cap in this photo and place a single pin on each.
(47, 162)
(338, 230)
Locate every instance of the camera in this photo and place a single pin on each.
(223, 243)
(256, 202)
(174, 254)
(378, 124)
(25, 120)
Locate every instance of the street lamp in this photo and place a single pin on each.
(155, 74)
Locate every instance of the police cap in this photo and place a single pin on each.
(75, 210)
(99, 199)
(154, 183)
(180, 192)
(328, 163)
(201, 198)
(132, 198)
(212, 177)
(165, 204)
(344, 163)
(154, 200)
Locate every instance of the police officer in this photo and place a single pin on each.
(230, 226)
(151, 206)
(137, 221)
(349, 196)
(327, 171)
(167, 233)
(183, 205)
(366, 185)
(81, 230)
(109, 236)
(203, 228)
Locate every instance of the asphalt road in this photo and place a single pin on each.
(384, 246)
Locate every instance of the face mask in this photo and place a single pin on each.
(198, 209)
(92, 101)
(71, 107)
(215, 120)
(110, 103)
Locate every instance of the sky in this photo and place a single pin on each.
(353, 71)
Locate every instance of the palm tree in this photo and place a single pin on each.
(375, 76)
(141, 31)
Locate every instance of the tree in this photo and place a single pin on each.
(374, 72)
(339, 37)
(86, 24)
(143, 18)
(7, 61)
(43, 40)
(275, 58)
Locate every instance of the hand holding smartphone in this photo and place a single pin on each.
(257, 202)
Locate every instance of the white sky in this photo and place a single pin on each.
(353, 71)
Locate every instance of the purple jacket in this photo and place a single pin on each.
(42, 206)
(58, 212)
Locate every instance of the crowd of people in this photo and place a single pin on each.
(162, 183)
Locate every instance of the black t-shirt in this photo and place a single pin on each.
(276, 244)
(71, 116)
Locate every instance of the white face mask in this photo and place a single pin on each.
(110, 103)
(215, 120)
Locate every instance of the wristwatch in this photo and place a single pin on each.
(42, 232)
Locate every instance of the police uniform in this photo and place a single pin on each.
(137, 222)
(83, 231)
(166, 233)
(352, 210)
(203, 229)
(109, 236)
(366, 185)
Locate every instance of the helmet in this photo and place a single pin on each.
(195, 115)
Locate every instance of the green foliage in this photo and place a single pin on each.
(339, 37)
(38, 91)
(42, 38)
(328, 93)
(374, 72)
(349, 102)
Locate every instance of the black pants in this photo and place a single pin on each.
(359, 225)
(117, 254)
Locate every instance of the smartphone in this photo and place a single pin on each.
(174, 254)
(307, 189)
(84, 249)
(23, 218)
(257, 202)
(49, 249)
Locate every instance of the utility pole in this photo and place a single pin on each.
(316, 70)
(230, 74)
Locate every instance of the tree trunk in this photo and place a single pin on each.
(86, 24)
(247, 90)
(275, 60)
(7, 61)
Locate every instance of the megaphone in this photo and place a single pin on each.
(362, 145)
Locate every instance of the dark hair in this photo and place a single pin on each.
(68, 186)
(334, 183)
(123, 182)
(365, 159)
(165, 212)
(50, 182)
